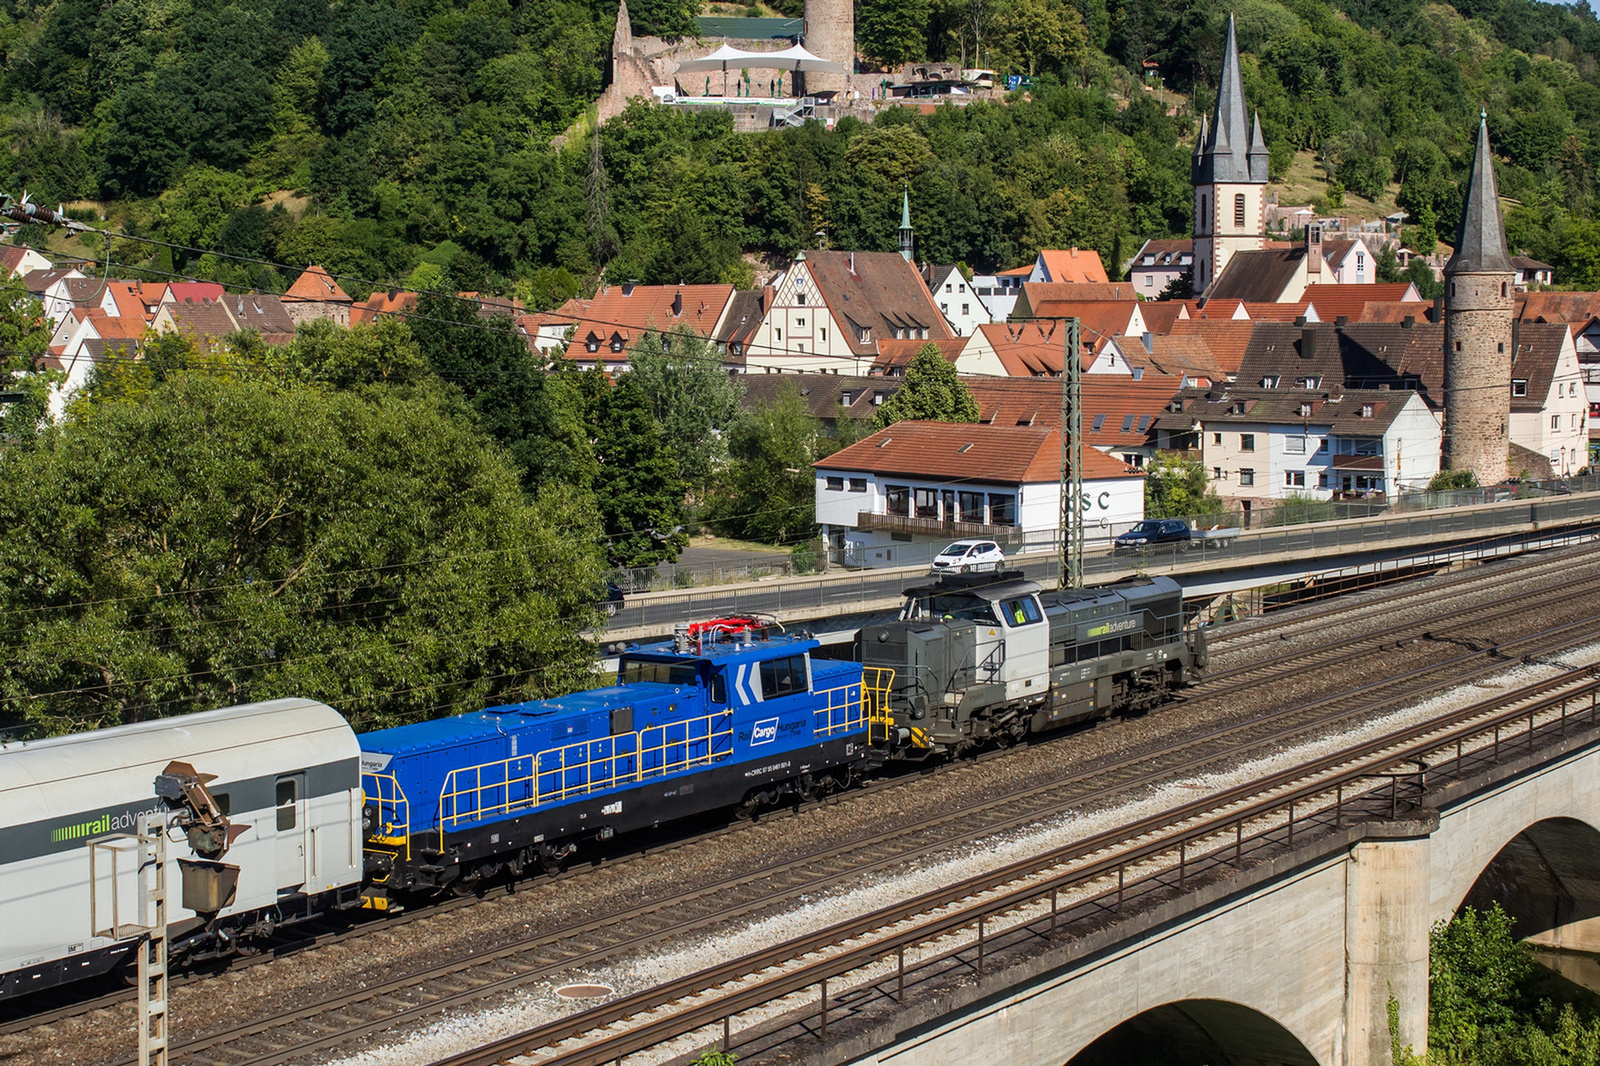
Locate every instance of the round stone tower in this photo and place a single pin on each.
(1477, 331)
(831, 34)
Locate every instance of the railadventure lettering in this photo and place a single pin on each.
(106, 823)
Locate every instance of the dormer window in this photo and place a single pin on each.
(846, 398)
(877, 399)
(1270, 381)
(593, 343)
(1313, 383)
(1519, 387)
(616, 344)
(1305, 410)
(1366, 410)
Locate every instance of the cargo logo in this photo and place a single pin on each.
(1121, 625)
(765, 732)
(106, 823)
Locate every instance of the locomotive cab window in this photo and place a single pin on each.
(635, 671)
(783, 677)
(223, 801)
(287, 795)
(719, 687)
(1020, 612)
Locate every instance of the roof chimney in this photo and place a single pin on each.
(1308, 344)
(852, 264)
(1341, 322)
(1438, 309)
(677, 303)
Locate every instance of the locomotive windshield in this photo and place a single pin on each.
(949, 607)
(633, 671)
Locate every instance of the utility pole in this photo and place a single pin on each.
(153, 951)
(1072, 460)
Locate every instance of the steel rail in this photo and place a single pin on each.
(1415, 741)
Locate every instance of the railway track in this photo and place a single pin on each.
(956, 929)
(299, 1034)
(1288, 622)
(996, 814)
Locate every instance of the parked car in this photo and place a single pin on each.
(1155, 532)
(967, 556)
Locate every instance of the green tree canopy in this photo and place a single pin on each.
(1175, 487)
(221, 541)
(768, 492)
(931, 391)
(637, 487)
(693, 398)
(24, 340)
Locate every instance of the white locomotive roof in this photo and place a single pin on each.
(226, 742)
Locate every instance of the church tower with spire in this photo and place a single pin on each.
(1477, 330)
(906, 235)
(1229, 175)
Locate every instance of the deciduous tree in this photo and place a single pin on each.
(931, 391)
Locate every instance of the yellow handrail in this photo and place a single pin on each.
(394, 810)
(472, 793)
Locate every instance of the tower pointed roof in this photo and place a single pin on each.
(1227, 151)
(905, 208)
(1481, 241)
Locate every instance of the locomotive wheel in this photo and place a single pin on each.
(746, 809)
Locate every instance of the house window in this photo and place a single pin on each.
(961, 288)
(824, 334)
(1366, 410)
(836, 484)
(1294, 479)
(1216, 438)
(1313, 383)
(947, 287)
(1458, 346)
(944, 308)
(858, 484)
(877, 399)
(1238, 210)
(801, 348)
(897, 500)
(1555, 421)
(799, 323)
(1216, 473)
(966, 309)
(593, 345)
(1098, 423)
(846, 397)
(1127, 423)
(1205, 212)
(1149, 281)
(1305, 410)
(800, 298)
(1294, 445)
(927, 502)
(1500, 347)
(1270, 381)
(1247, 476)
(1519, 387)
(1322, 480)
(1247, 442)
(780, 334)
(1002, 509)
(616, 344)
(971, 504)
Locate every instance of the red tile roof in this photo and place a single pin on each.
(1073, 264)
(1027, 349)
(380, 303)
(316, 286)
(878, 292)
(1351, 301)
(894, 356)
(628, 312)
(1558, 306)
(1159, 315)
(989, 454)
(1035, 293)
(1226, 339)
(1287, 312)
(184, 291)
(1117, 413)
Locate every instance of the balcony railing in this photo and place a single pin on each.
(868, 522)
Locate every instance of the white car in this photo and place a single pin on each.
(967, 556)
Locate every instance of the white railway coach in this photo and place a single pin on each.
(287, 770)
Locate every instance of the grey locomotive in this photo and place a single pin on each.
(986, 659)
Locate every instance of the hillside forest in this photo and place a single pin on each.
(448, 143)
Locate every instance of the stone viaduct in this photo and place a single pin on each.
(1290, 962)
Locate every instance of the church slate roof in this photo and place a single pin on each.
(1257, 277)
(1481, 240)
(1229, 150)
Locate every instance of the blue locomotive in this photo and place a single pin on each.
(726, 713)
